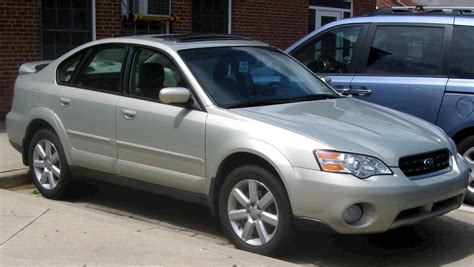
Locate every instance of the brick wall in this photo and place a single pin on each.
(182, 9)
(19, 43)
(389, 3)
(108, 18)
(362, 6)
(279, 22)
(20, 39)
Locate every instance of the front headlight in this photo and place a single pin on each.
(360, 166)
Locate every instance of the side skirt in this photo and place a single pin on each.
(200, 199)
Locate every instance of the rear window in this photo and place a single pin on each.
(103, 70)
(462, 59)
(405, 50)
(67, 68)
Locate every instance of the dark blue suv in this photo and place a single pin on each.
(419, 60)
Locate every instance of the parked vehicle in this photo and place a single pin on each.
(418, 63)
(237, 125)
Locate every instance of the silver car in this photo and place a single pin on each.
(234, 124)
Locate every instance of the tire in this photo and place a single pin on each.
(50, 161)
(254, 228)
(466, 148)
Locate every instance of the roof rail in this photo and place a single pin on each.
(413, 10)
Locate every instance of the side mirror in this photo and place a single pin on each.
(174, 95)
(325, 79)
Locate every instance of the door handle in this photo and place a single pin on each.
(361, 91)
(354, 91)
(344, 91)
(64, 101)
(129, 114)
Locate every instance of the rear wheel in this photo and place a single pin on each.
(466, 148)
(48, 165)
(255, 211)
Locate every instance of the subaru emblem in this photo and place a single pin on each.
(429, 162)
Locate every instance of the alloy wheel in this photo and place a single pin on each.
(469, 157)
(46, 164)
(253, 212)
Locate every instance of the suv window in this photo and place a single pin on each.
(405, 50)
(152, 71)
(330, 53)
(462, 60)
(102, 71)
(67, 68)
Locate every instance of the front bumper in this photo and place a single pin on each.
(388, 201)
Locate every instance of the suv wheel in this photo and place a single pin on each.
(466, 148)
(255, 211)
(48, 165)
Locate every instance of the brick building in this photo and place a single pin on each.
(32, 30)
(390, 3)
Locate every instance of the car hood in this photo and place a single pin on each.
(351, 125)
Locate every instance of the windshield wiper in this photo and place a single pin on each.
(253, 103)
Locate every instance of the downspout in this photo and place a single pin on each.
(94, 37)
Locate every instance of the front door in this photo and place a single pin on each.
(159, 143)
(333, 53)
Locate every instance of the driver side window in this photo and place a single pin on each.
(332, 52)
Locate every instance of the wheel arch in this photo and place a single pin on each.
(33, 126)
(267, 157)
(44, 120)
(462, 134)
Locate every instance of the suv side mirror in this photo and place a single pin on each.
(174, 95)
(325, 79)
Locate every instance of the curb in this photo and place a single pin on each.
(14, 178)
(466, 208)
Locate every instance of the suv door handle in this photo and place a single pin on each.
(344, 91)
(129, 114)
(64, 101)
(354, 91)
(361, 91)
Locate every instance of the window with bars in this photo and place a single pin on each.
(210, 16)
(65, 24)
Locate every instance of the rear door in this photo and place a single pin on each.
(333, 53)
(402, 68)
(456, 112)
(85, 106)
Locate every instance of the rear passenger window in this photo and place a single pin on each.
(405, 50)
(67, 68)
(103, 70)
(330, 53)
(462, 60)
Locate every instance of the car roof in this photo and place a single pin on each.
(185, 41)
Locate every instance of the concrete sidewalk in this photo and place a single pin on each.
(34, 230)
(12, 170)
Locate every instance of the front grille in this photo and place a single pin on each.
(424, 163)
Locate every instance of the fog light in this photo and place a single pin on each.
(353, 214)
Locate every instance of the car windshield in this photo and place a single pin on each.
(251, 76)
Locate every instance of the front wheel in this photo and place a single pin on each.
(466, 149)
(255, 211)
